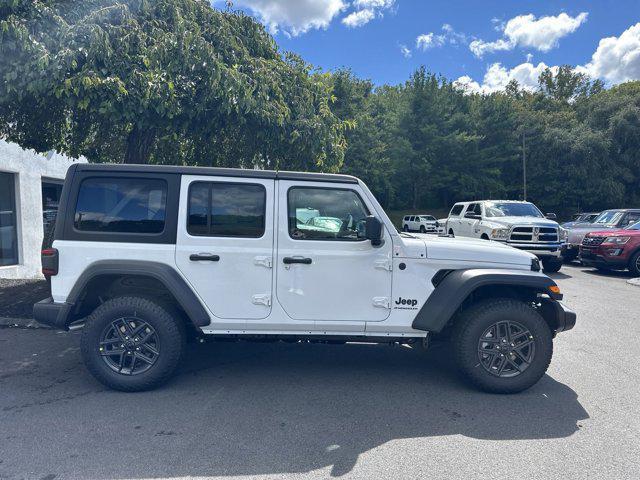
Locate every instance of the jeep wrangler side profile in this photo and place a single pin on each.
(144, 257)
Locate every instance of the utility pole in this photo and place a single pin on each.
(524, 166)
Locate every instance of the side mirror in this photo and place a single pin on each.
(551, 216)
(373, 230)
(475, 216)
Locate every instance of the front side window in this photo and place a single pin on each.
(456, 210)
(495, 209)
(221, 209)
(326, 214)
(121, 205)
(8, 237)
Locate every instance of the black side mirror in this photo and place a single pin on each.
(551, 216)
(373, 230)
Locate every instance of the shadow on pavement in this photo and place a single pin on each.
(249, 409)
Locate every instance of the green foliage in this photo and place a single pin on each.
(171, 81)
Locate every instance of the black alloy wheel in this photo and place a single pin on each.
(506, 349)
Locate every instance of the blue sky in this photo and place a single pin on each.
(385, 40)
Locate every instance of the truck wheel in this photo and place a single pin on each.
(132, 344)
(634, 264)
(422, 229)
(502, 345)
(451, 232)
(551, 265)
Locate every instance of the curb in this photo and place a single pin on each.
(634, 281)
(30, 323)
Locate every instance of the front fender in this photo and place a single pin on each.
(454, 287)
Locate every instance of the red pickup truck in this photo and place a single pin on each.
(613, 249)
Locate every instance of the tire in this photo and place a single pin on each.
(472, 325)
(166, 337)
(451, 232)
(422, 229)
(551, 265)
(484, 236)
(405, 228)
(569, 257)
(634, 264)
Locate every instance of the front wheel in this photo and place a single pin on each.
(423, 229)
(405, 228)
(132, 344)
(634, 264)
(502, 345)
(551, 265)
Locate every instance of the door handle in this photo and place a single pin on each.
(202, 257)
(290, 260)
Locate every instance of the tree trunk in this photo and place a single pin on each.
(139, 145)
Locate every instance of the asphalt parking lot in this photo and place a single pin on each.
(318, 411)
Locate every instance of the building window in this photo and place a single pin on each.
(51, 192)
(8, 220)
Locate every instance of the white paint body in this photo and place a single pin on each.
(351, 288)
(420, 223)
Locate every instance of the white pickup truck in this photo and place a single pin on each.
(518, 224)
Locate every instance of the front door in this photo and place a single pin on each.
(326, 269)
(225, 243)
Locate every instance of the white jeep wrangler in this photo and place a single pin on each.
(146, 257)
(517, 224)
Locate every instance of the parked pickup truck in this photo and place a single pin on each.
(517, 224)
(146, 257)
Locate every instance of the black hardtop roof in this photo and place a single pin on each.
(215, 171)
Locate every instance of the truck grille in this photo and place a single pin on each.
(534, 234)
(592, 241)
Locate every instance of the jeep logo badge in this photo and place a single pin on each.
(406, 303)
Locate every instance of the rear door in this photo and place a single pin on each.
(225, 243)
(326, 269)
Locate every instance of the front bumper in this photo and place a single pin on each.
(597, 258)
(562, 317)
(54, 314)
(540, 250)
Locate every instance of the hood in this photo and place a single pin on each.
(618, 232)
(475, 250)
(528, 221)
(577, 233)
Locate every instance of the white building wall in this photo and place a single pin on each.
(30, 169)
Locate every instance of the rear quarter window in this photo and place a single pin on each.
(121, 205)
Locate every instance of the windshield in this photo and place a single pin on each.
(512, 210)
(610, 217)
(633, 226)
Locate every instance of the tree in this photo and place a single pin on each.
(171, 81)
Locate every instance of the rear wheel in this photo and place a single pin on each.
(132, 344)
(551, 265)
(634, 264)
(502, 345)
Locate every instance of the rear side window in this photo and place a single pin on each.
(121, 205)
(220, 209)
(456, 210)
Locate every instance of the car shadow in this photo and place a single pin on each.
(608, 273)
(272, 409)
(559, 275)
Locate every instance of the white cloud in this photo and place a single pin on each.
(448, 35)
(294, 16)
(528, 32)
(497, 77)
(359, 18)
(406, 52)
(365, 11)
(617, 59)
